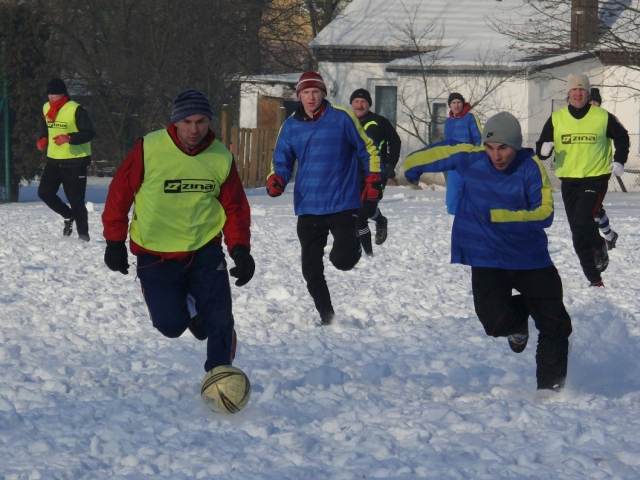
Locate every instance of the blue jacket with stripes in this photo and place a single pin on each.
(333, 153)
(464, 129)
(501, 215)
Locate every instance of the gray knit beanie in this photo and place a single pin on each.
(503, 128)
(190, 102)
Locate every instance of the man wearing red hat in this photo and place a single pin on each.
(333, 153)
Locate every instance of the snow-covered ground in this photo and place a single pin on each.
(404, 385)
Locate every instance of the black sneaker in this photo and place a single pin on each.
(601, 258)
(556, 386)
(326, 318)
(84, 237)
(381, 230)
(518, 341)
(611, 244)
(198, 328)
(68, 227)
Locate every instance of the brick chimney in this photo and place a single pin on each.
(584, 23)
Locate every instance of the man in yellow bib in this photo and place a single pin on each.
(581, 134)
(187, 196)
(65, 136)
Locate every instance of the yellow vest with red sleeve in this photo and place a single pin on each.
(64, 124)
(176, 208)
(582, 148)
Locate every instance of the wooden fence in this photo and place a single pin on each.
(252, 149)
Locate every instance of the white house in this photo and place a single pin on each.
(398, 49)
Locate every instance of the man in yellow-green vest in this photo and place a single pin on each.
(581, 134)
(65, 136)
(187, 198)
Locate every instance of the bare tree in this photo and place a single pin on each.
(606, 29)
(435, 78)
(288, 27)
(133, 56)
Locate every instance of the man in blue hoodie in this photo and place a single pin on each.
(461, 126)
(499, 231)
(333, 153)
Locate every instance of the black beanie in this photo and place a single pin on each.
(453, 96)
(361, 93)
(190, 102)
(56, 87)
(595, 95)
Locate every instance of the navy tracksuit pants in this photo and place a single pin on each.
(583, 201)
(73, 178)
(503, 314)
(165, 285)
(313, 232)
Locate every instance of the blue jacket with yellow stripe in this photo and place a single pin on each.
(501, 215)
(333, 152)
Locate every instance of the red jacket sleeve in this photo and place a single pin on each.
(236, 206)
(123, 187)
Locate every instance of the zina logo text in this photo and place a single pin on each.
(189, 185)
(577, 138)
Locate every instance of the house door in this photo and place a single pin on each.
(268, 111)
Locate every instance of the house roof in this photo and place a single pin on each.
(279, 78)
(463, 64)
(389, 24)
(464, 30)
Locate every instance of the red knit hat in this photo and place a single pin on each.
(310, 80)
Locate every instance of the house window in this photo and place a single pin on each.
(439, 113)
(386, 99)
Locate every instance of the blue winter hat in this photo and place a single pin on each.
(190, 102)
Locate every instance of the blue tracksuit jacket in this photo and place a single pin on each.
(501, 215)
(332, 152)
(465, 129)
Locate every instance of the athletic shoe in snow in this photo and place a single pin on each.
(84, 237)
(68, 227)
(556, 386)
(518, 341)
(601, 258)
(381, 230)
(611, 244)
(597, 283)
(326, 317)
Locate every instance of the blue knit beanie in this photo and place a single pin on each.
(190, 102)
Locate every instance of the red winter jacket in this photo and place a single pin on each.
(130, 176)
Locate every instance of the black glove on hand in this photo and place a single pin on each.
(245, 266)
(116, 257)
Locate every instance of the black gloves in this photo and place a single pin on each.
(245, 266)
(116, 257)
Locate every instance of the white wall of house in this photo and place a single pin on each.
(249, 94)
(342, 78)
(550, 85)
(548, 90)
(624, 104)
(510, 96)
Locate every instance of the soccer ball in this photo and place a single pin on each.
(226, 389)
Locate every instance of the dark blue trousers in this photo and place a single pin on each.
(503, 313)
(165, 285)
